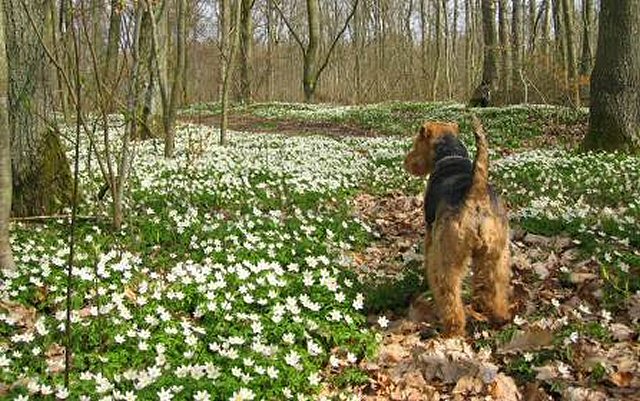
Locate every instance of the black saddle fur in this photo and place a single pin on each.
(450, 179)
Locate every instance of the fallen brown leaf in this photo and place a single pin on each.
(22, 316)
(621, 379)
(529, 340)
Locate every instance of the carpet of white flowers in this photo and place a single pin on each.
(229, 280)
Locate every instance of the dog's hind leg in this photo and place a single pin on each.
(492, 279)
(446, 263)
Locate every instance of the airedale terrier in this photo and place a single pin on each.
(466, 223)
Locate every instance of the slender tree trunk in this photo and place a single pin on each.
(424, 38)
(133, 97)
(111, 58)
(447, 51)
(505, 58)
(454, 31)
(310, 67)
(532, 30)
(490, 65)
(438, 51)
(169, 114)
(559, 39)
(233, 38)
(6, 257)
(615, 81)
(246, 51)
(568, 11)
(271, 39)
(41, 173)
(469, 45)
(357, 54)
(225, 23)
(516, 49)
(587, 28)
(545, 31)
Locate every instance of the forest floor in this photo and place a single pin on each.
(288, 265)
(562, 342)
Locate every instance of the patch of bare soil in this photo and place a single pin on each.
(399, 221)
(557, 135)
(250, 123)
(555, 290)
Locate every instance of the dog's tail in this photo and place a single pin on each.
(479, 185)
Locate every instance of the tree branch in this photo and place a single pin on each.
(289, 27)
(335, 41)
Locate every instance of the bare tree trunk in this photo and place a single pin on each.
(454, 31)
(438, 51)
(505, 59)
(119, 180)
(447, 51)
(532, 30)
(6, 257)
(271, 39)
(112, 54)
(516, 49)
(41, 173)
(559, 38)
(424, 37)
(312, 69)
(358, 50)
(232, 39)
(568, 12)
(311, 54)
(170, 112)
(224, 19)
(169, 96)
(469, 45)
(615, 81)
(490, 66)
(246, 51)
(546, 29)
(587, 28)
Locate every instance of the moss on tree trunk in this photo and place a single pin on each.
(45, 187)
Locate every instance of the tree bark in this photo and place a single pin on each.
(112, 53)
(490, 65)
(119, 180)
(309, 79)
(170, 111)
(587, 28)
(615, 81)
(505, 53)
(546, 29)
(271, 41)
(246, 51)
(232, 38)
(41, 173)
(516, 49)
(438, 51)
(358, 50)
(568, 12)
(6, 257)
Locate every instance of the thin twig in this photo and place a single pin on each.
(286, 22)
(37, 219)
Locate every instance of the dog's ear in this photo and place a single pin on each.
(426, 130)
(455, 128)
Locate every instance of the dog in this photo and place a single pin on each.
(466, 224)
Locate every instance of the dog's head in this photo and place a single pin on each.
(419, 160)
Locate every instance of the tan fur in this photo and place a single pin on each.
(476, 236)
